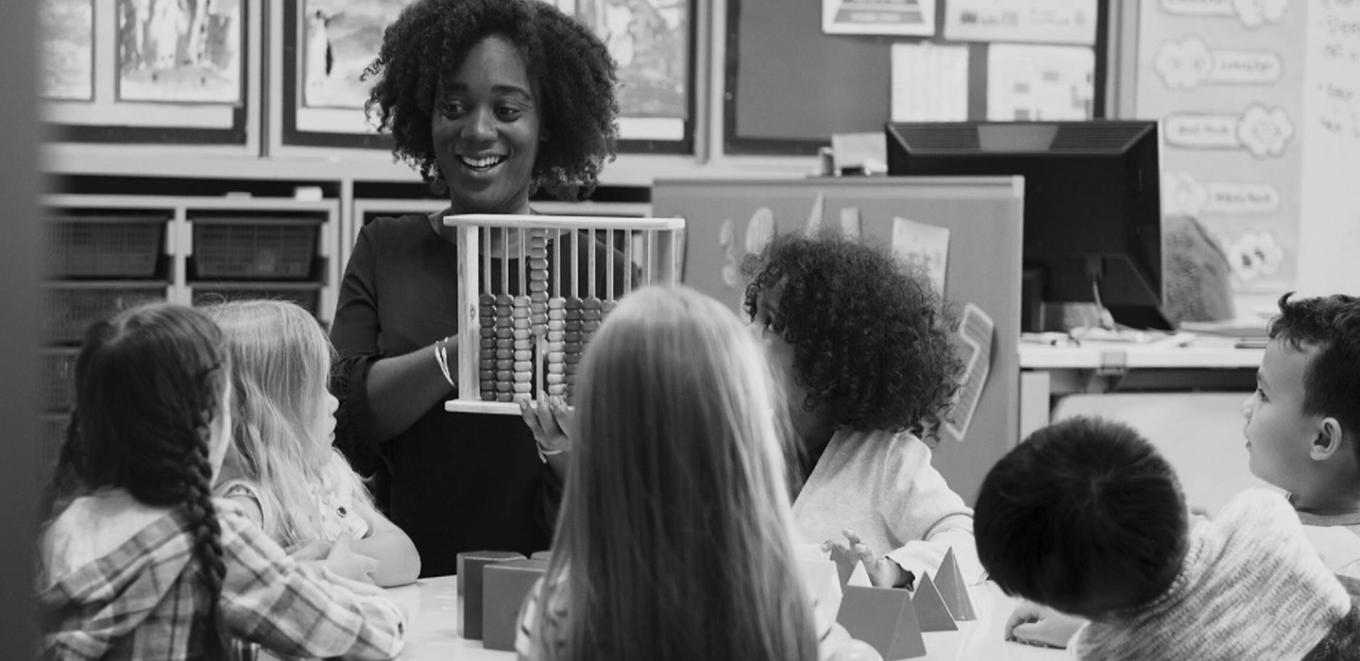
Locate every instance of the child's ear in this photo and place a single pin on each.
(1327, 441)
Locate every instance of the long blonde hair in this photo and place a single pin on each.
(673, 540)
(280, 359)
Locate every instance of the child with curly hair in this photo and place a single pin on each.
(490, 100)
(866, 363)
(281, 467)
(138, 560)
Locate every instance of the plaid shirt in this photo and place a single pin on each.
(145, 600)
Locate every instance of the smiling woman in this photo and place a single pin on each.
(490, 100)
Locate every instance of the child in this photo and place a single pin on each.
(673, 540)
(1303, 422)
(866, 362)
(281, 467)
(1086, 518)
(140, 562)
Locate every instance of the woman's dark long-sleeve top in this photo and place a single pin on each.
(453, 481)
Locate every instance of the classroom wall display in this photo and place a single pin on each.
(324, 46)
(795, 73)
(1230, 84)
(67, 27)
(163, 72)
(728, 220)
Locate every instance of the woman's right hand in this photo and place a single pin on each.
(344, 561)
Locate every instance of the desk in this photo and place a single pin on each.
(432, 607)
(1208, 364)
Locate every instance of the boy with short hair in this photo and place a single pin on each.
(1087, 518)
(1303, 422)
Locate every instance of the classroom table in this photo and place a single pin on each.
(432, 606)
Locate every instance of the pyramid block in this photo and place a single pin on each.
(846, 561)
(949, 581)
(931, 610)
(504, 587)
(470, 570)
(884, 618)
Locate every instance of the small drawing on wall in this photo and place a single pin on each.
(67, 35)
(179, 51)
(340, 39)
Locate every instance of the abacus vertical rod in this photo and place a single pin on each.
(575, 264)
(590, 259)
(609, 266)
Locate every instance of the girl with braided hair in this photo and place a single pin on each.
(139, 561)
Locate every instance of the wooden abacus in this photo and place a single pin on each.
(521, 337)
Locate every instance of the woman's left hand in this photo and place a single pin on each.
(550, 421)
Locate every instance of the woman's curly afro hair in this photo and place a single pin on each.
(870, 341)
(573, 71)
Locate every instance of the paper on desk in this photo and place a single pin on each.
(975, 341)
(929, 83)
(924, 247)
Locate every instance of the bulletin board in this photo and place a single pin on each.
(983, 215)
(789, 85)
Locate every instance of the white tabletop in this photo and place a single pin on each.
(432, 606)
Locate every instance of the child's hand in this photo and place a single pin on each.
(311, 551)
(344, 561)
(550, 421)
(883, 573)
(1033, 624)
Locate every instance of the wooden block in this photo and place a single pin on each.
(954, 590)
(524, 367)
(591, 303)
(504, 587)
(931, 610)
(556, 303)
(520, 312)
(504, 299)
(545, 554)
(521, 322)
(523, 388)
(505, 363)
(486, 299)
(845, 563)
(556, 314)
(521, 300)
(538, 263)
(884, 618)
(522, 334)
(538, 286)
(469, 567)
(591, 314)
(523, 354)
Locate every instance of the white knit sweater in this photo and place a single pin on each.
(1251, 587)
(882, 487)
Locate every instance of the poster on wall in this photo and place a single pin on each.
(914, 18)
(327, 45)
(161, 72)
(1026, 82)
(1031, 21)
(67, 29)
(1230, 93)
(174, 51)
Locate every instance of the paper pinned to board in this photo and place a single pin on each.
(929, 82)
(975, 333)
(924, 247)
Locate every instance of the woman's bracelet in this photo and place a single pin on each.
(441, 356)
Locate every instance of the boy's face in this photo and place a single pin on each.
(1279, 433)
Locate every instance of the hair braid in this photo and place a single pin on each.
(207, 540)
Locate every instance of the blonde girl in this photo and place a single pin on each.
(281, 467)
(138, 561)
(673, 539)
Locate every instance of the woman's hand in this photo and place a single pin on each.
(550, 421)
(1033, 624)
(883, 572)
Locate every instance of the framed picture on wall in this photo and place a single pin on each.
(322, 48)
(162, 72)
(67, 29)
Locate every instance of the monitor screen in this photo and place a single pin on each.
(1092, 207)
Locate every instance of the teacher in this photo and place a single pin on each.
(490, 100)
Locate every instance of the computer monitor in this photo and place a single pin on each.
(1092, 207)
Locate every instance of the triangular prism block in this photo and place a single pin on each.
(953, 589)
(885, 619)
(931, 610)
